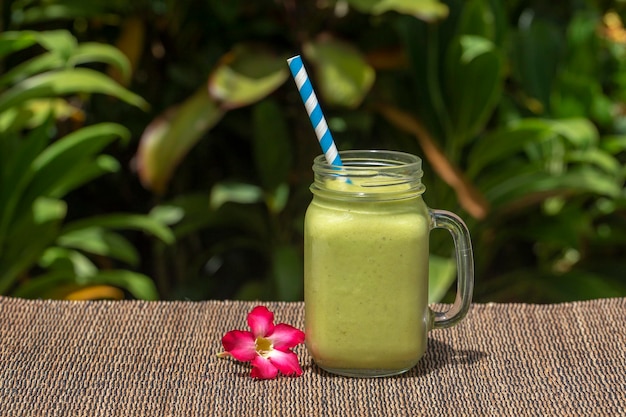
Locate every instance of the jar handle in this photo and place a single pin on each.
(442, 219)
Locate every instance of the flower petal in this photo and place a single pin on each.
(262, 368)
(286, 362)
(240, 345)
(285, 336)
(261, 321)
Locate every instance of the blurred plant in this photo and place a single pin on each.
(507, 117)
(517, 109)
(44, 252)
(517, 114)
(260, 214)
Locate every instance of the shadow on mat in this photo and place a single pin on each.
(438, 354)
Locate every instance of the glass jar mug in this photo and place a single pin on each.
(366, 264)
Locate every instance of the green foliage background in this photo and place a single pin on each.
(517, 109)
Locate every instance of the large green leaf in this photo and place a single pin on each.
(246, 75)
(11, 41)
(501, 144)
(48, 210)
(122, 221)
(88, 52)
(580, 132)
(84, 53)
(483, 18)
(60, 41)
(67, 260)
(82, 173)
(474, 81)
(614, 144)
(44, 62)
(55, 168)
(536, 49)
(168, 138)
(518, 182)
(60, 83)
(15, 169)
(599, 158)
(428, 10)
(28, 237)
(533, 135)
(271, 144)
(35, 112)
(234, 192)
(343, 77)
(99, 241)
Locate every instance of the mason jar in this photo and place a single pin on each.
(366, 251)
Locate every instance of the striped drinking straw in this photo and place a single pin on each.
(314, 110)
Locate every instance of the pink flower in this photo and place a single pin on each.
(267, 346)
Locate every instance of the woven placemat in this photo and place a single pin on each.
(134, 358)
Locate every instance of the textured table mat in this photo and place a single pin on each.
(134, 358)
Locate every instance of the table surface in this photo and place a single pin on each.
(136, 358)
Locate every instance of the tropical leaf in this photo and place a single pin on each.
(27, 238)
(54, 168)
(89, 52)
(613, 144)
(64, 82)
(498, 145)
(67, 260)
(580, 132)
(16, 173)
(246, 75)
(38, 111)
(41, 63)
(13, 41)
(483, 18)
(169, 137)
(521, 181)
(61, 42)
(343, 77)
(427, 10)
(536, 48)
(474, 80)
(82, 173)
(99, 241)
(234, 192)
(122, 221)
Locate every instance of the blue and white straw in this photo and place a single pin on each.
(314, 110)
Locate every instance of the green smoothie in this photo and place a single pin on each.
(366, 280)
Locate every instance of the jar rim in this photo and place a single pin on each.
(373, 172)
(357, 161)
